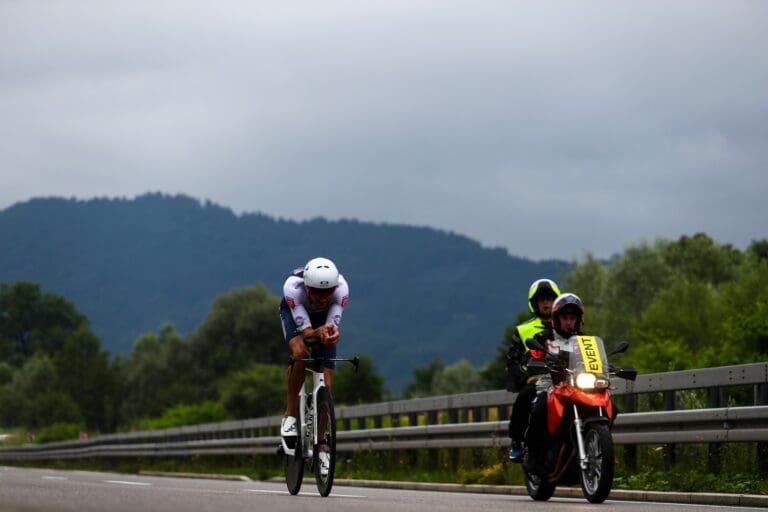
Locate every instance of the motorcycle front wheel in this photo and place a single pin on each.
(597, 478)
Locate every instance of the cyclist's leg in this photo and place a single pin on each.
(296, 372)
(326, 352)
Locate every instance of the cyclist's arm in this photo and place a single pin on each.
(339, 301)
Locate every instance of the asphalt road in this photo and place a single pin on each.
(43, 490)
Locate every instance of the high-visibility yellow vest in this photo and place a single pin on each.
(528, 329)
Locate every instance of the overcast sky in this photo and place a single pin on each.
(547, 128)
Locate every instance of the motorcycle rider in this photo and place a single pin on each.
(541, 295)
(567, 321)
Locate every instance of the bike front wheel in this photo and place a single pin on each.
(324, 457)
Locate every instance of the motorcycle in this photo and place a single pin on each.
(580, 413)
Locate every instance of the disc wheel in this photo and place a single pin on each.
(294, 468)
(326, 443)
(597, 478)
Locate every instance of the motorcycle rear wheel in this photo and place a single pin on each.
(597, 479)
(538, 488)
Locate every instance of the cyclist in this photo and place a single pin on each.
(540, 296)
(314, 298)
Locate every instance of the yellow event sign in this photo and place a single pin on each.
(590, 353)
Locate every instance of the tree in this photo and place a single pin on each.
(758, 249)
(700, 258)
(460, 377)
(683, 304)
(683, 319)
(85, 374)
(632, 283)
(259, 390)
(364, 385)
(32, 321)
(12, 403)
(422, 379)
(589, 280)
(160, 373)
(242, 328)
(44, 402)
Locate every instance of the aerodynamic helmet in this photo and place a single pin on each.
(321, 273)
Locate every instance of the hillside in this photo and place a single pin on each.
(130, 265)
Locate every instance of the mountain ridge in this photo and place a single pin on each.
(132, 264)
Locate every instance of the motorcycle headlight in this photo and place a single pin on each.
(586, 381)
(602, 383)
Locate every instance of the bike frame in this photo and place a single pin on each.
(307, 421)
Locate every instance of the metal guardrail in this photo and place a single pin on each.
(467, 423)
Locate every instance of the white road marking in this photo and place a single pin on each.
(125, 482)
(333, 494)
(55, 478)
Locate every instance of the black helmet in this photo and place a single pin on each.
(567, 303)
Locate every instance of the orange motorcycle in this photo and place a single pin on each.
(578, 447)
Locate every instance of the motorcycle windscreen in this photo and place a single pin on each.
(587, 354)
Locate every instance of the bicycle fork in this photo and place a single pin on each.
(308, 415)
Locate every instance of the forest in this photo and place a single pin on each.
(686, 303)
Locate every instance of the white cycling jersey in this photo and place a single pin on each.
(301, 306)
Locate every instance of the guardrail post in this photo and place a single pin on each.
(670, 456)
(432, 418)
(377, 422)
(413, 419)
(503, 412)
(715, 401)
(630, 450)
(761, 398)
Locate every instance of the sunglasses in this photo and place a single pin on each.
(321, 291)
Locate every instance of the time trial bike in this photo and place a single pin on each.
(315, 442)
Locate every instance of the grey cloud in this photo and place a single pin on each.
(633, 119)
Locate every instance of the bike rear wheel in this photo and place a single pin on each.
(294, 468)
(326, 442)
(597, 479)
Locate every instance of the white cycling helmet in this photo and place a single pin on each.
(321, 273)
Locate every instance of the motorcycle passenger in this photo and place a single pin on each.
(567, 321)
(541, 294)
(314, 298)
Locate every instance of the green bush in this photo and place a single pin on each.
(60, 432)
(180, 415)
